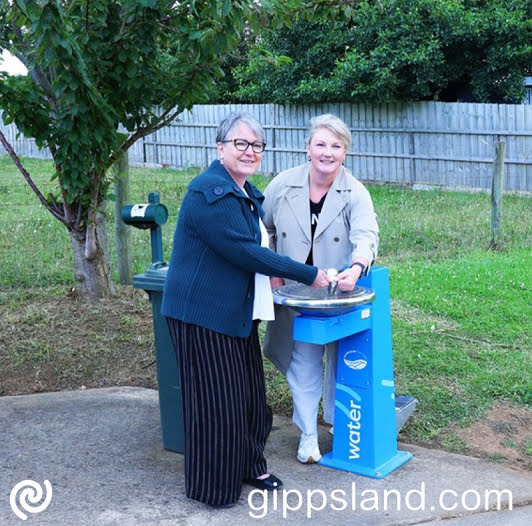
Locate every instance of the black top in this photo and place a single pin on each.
(315, 210)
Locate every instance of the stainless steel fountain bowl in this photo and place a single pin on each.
(321, 302)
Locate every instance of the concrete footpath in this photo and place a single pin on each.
(101, 451)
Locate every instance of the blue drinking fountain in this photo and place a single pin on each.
(368, 414)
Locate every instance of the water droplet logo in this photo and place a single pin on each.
(355, 360)
(29, 491)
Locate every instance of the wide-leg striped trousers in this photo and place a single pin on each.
(224, 410)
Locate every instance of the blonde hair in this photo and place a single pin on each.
(332, 123)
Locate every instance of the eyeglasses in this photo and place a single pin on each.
(242, 145)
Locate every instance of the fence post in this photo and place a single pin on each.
(496, 192)
(412, 155)
(275, 122)
(205, 147)
(122, 231)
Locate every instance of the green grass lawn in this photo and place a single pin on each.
(461, 313)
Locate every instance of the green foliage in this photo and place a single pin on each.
(96, 67)
(395, 50)
(103, 74)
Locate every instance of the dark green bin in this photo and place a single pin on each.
(152, 281)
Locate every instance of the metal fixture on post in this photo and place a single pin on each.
(152, 216)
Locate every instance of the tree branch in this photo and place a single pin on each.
(67, 209)
(35, 71)
(91, 246)
(29, 180)
(56, 206)
(78, 217)
(166, 118)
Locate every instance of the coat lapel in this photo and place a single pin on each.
(298, 200)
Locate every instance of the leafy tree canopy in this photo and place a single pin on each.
(102, 74)
(393, 50)
(100, 64)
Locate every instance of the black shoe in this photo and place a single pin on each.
(270, 483)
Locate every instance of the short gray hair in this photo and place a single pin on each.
(234, 119)
(332, 123)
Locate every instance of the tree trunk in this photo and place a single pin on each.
(92, 269)
(123, 231)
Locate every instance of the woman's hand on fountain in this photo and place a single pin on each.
(321, 280)
(276, 282)
(348, 278)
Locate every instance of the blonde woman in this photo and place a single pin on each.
(317, 213)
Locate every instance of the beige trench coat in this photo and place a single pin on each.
(347, 229)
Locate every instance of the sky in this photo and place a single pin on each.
(11, 64)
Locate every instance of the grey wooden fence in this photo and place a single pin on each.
(420, 144)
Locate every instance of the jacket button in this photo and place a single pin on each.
(283, 234)
(218, 190)
(337, 239)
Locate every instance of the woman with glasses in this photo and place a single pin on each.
(320, 214)
(216, 291)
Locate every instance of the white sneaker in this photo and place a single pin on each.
(309, 451)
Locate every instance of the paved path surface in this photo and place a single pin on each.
(101, 451)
